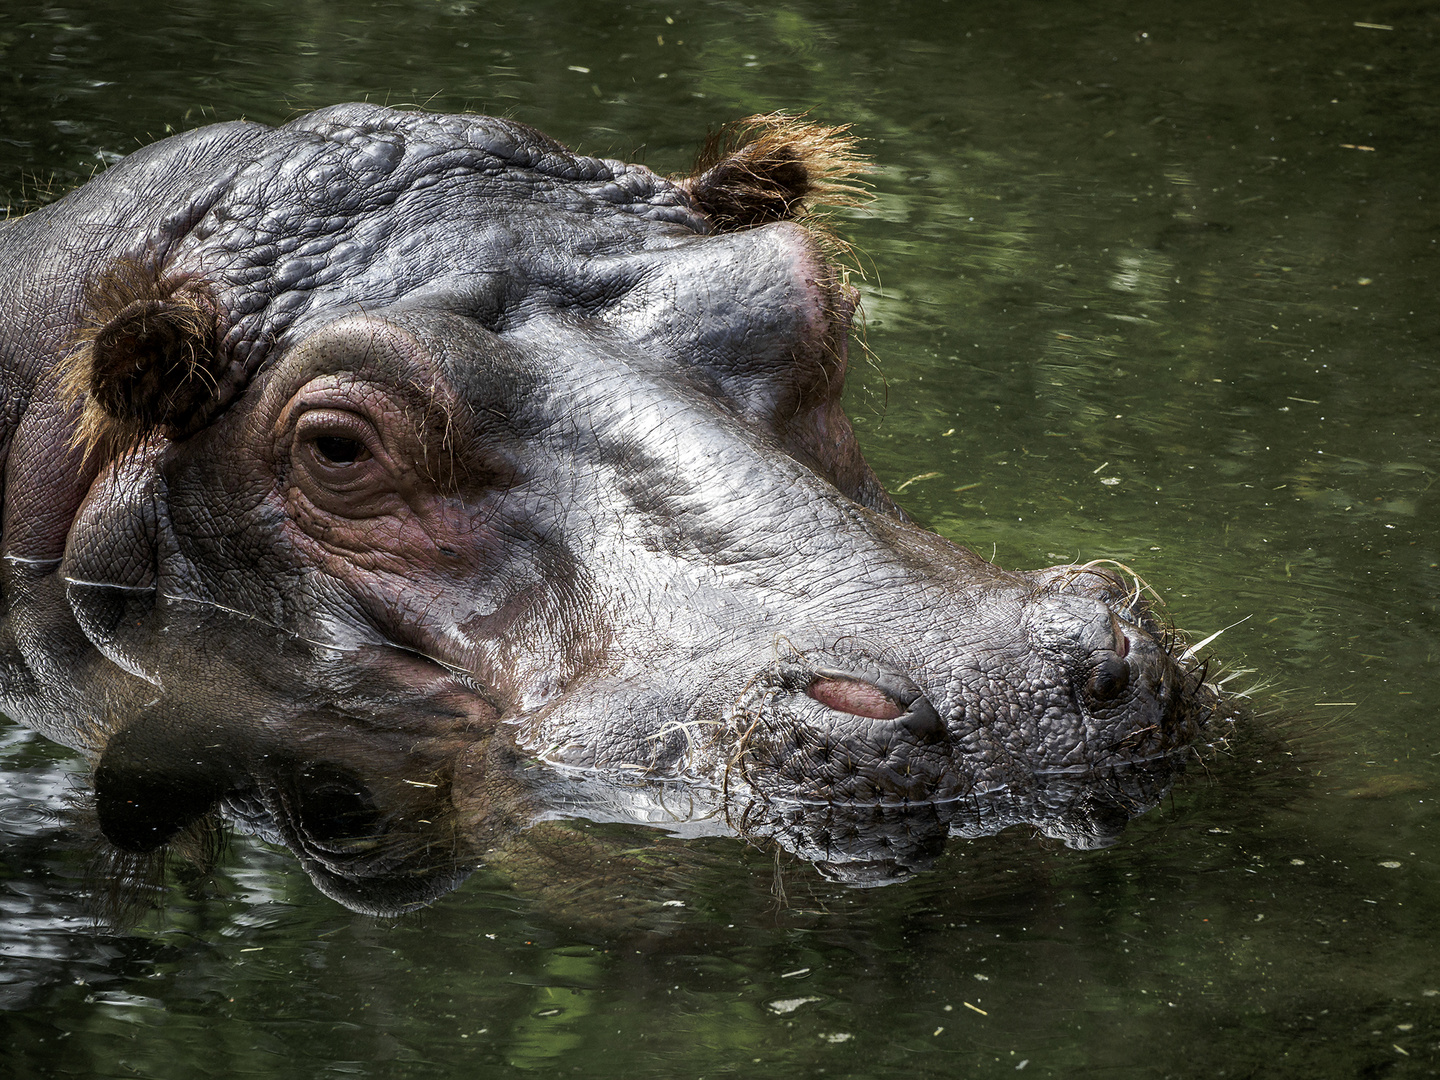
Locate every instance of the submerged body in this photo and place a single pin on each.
(381, 422)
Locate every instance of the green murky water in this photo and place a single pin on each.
(1140, 284)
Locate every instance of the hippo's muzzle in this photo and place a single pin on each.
(1102, 690)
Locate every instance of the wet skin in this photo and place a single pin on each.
(433, 400)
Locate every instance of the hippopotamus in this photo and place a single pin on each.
(382, 427)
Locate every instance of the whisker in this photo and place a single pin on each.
(1193, 649)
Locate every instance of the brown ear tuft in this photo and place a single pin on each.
(774, 167)
(146, 360)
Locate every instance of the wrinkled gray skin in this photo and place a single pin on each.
(536, 428)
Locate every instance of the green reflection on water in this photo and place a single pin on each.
(1137, 289)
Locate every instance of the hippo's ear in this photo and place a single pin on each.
(147, 358)
(770, 168)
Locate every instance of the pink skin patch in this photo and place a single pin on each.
(856, 698)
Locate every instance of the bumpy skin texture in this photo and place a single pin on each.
(535, 428)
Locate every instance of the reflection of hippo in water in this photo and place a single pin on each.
(379, 418)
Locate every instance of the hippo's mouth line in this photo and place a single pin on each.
(980, 793)
(731, 796)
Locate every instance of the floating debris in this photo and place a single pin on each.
(786, 1006)
(916, 479)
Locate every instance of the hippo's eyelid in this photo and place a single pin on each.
(314, 425)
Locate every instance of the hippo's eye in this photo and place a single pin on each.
(333, 444)
(338, 450)
(340, 464)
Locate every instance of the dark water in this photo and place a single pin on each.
(1140, 285)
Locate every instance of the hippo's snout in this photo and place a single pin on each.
(1084, 682)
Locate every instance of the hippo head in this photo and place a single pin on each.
(433, 394)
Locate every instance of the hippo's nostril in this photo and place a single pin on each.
(922, 721)
(855, 697)
(1108, 678)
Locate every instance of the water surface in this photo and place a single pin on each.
(1138, 284)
